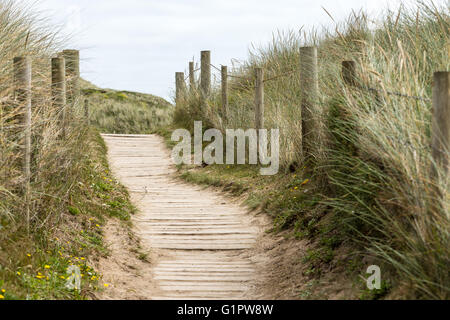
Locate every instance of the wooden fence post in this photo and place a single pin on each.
(309, 84)
(205, 73)
(349, 72)
(59, 89)
(22, 81)
(191, 76)
(72, 58)
(225, 93)
(259, 98)
(22, 86)
(180, 87)
(86, 111)
(441, 120)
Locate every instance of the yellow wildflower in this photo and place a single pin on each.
(3, 290)
(305, 182)
(28, 255)
(106, 285)
(18, 273)
(47, 267)
(62, 277)
(1, 297)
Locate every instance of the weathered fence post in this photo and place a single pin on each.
(86, 111)
(191, 76)
(349, 72)
(309, 84)
(441, 121)
(22, 86)
(259, 98)
(225, 93)
(59, 89)
(205, 81)
(22, 81)
(180, 87)
(72, 58)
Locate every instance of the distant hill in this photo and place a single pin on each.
(125, 112)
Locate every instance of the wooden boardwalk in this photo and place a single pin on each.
(202, 241)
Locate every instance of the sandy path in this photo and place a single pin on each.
(201, 242)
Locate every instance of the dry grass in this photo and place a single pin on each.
(125, 112)
(68, 190)
(373, 157)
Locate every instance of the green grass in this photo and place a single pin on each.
(125, 112)
(74, 240)
(72, 193)
(371, 186)
(293, 201)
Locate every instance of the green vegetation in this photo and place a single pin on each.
(35, 266)
(367, 198)
(125, 112)
(72, 191)
(369, 194)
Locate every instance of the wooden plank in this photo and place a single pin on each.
(199, 234)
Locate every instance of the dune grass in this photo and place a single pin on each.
(372, 180)
(72, 191)
(126, 112)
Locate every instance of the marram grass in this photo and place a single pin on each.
(373, 159)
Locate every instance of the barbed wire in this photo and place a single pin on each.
(281, 75)
(220, 70)
(231, 75)
(290, 72)
(189, 75)
(238, 77)
(266, 80)
(393, 93)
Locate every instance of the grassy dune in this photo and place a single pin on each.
(367, 197)
(367, 192)
(126, 112)
(72, 191)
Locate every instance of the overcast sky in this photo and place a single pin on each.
(138, 45)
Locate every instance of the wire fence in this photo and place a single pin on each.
(362, 87)
(188, 76)
(392, 93)
(350, 79)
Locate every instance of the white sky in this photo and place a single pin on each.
(138, 45)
